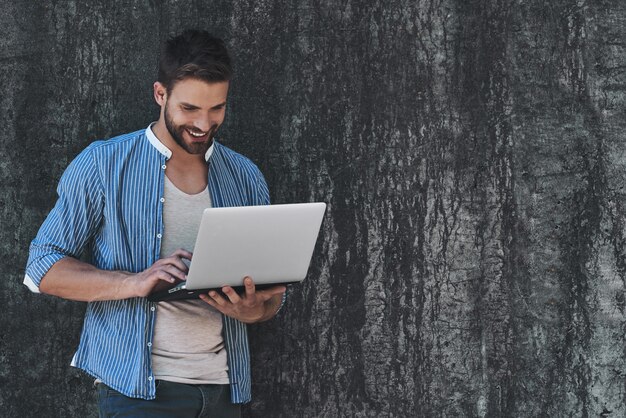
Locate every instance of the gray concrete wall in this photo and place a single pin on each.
(473, 157)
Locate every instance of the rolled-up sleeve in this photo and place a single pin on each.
(72, 222)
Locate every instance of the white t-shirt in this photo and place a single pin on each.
(187, 346)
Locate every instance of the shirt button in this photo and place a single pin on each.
(159, 236)
(150, 378)
(163, 166)
(152, 309)
(162, 199)
(149, 344)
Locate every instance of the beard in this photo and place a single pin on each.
(177, 131)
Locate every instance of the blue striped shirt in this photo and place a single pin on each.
(110, 202)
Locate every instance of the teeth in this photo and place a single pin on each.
(197, 135)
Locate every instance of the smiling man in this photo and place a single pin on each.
(136, 201)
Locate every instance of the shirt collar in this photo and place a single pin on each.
(156, 143)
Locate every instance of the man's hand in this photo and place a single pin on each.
(253, 306)
(161, 275)
(73, 279)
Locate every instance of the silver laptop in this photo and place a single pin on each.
(272, 244)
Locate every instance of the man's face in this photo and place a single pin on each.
(193, 111)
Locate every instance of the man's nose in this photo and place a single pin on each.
(204, 124)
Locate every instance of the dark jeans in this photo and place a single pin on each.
(172, 400)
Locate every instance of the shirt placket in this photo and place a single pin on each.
(152, 306)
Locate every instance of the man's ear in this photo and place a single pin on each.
(160, 93)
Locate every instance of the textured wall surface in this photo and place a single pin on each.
(473, 156)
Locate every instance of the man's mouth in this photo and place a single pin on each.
(197, 134)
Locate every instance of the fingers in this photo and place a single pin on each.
(176, 260)
(250, 289)
(266, 294)
(218, 299)
(169, 275)
(164, 276)
(182, 254)
(253, 297)
(252, 294)
(165, 272)
(174, 272)
(250, 298)
(251, 306)
(210, 299)
(231, 294)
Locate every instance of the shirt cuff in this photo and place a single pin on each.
(31, 284)
(37, 269)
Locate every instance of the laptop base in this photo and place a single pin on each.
(182, 294)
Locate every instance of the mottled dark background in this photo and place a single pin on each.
(473, 157)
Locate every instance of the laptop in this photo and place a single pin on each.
(272, 244)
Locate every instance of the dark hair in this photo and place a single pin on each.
(194, 54)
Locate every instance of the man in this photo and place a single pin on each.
(136, 201)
